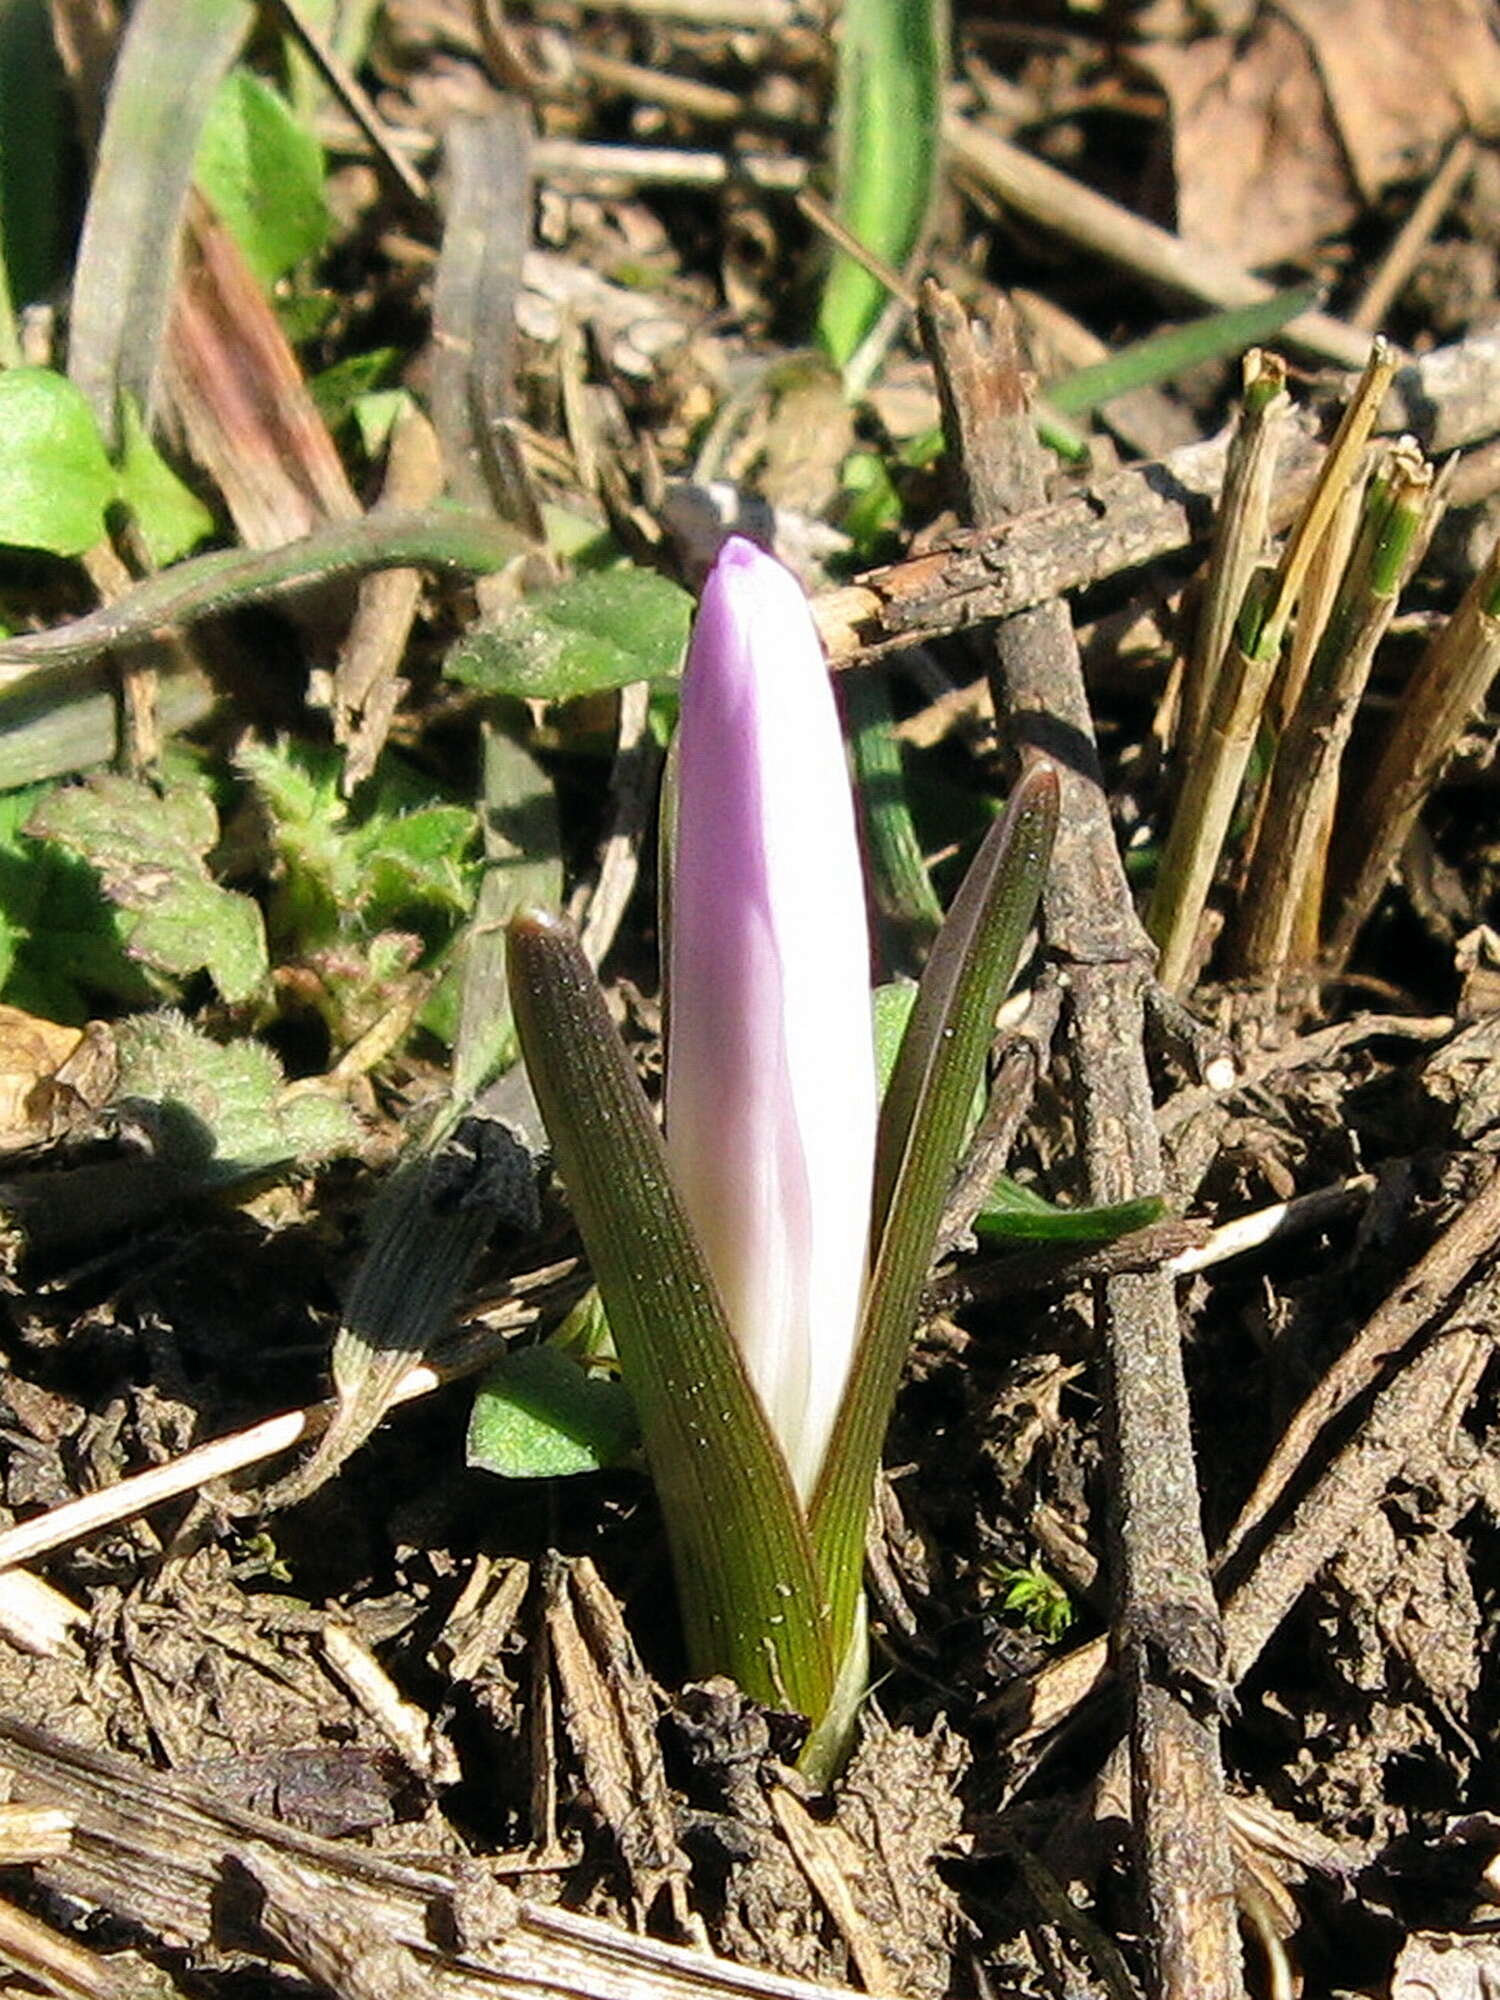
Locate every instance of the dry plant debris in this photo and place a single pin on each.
(353, 472)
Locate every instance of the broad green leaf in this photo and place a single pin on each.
(887, 119)
(597, 632)
(220, 1111)
(55, 480)
(171, 518)
(923, 1118)
(263, 173)
(148, 847)
(336, 390)
(752, 1605)
(62, 944)
(540, 1415)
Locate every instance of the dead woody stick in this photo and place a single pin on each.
(1167, 1631)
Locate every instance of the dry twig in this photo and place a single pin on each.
(1167, 1632)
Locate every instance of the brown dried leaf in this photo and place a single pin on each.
(238, 391)
(49, 1076)
(1402, 77)
(1258, 168)
(1279, 141)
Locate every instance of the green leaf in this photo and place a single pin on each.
(909, 910)
(55, 479)
(170, 60)
(376, 415)
(1018, 1214)
(148, 847)
(263, 173)
(540, 1415)
(923, 1118)
(336, 390)
(752, 1605)
(220, 1111)
(171, 518)
(891, 1007)
(1163, 356)
(61, 943)
(414, 858)
(887, 118)
(385, 862)
(1038, 1598)
(595, 633)
(522, 864)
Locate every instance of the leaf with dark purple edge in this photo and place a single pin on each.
(751, 1601)
(922, 1124)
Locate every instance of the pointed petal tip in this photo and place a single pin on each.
(739, 552)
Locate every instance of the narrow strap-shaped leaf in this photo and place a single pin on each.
(922, 1125)
(171, 57)
(752, 1605)
(1145, 363)
(229, 579)
(996, 889)
(886, 143)
(522, 866)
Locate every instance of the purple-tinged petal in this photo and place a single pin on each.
(770, 1090)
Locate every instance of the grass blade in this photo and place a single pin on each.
(172, 56)
(905, 900)
(886, 120)
(1145, 363)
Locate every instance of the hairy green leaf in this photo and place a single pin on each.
(597, 632)
(220, 1111)
(62, 943)
(147, 846)
(539, 1414)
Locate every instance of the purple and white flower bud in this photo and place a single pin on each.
(770, 1086)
